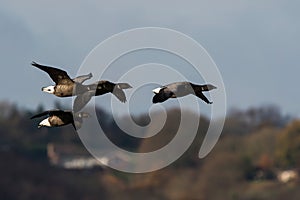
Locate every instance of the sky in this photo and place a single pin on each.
(255, 44)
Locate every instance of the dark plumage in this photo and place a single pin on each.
(100, 88)
(116, 89)
(65, 86)
(60, 118)
(180, 89)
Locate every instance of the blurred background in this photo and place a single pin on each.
(254, 45)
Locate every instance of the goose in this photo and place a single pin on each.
(180, 89)
(60, 118)
(65, 86)
(100, 88)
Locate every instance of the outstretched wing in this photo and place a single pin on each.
(119, 93)
(73, 124)
(201, 96)
(103, 87)
(81, 79)
(57, 75)
(48, 112)
(81, 100)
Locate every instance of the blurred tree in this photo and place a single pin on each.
(265, 162)
(8, 110)
(241, 122)
(288, 146)
(169, 131)
(223, 174)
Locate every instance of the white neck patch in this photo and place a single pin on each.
(45, 122)
(49, 89)
(156, 91)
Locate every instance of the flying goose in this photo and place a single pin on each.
(65, 86)
(60, 118)
(100, 88)
(180, 89)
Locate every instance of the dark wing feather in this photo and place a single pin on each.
(48, 112)
(119, 93)
(40, 115)
(73, 124)
(57, 75)
(103, 87)
(81, 79)
(81, 100)
(201, 96)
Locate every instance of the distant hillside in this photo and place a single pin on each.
(255, 147)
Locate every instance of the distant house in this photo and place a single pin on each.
(71, 157)
(287, 175)
(75, 157)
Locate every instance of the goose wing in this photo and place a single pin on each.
(81, 100)
(48, 112)
(116, 89)
(201, 96)
(81, 79)
(119, 93)
(57, 75)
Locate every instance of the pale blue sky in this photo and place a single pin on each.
(255, 44)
